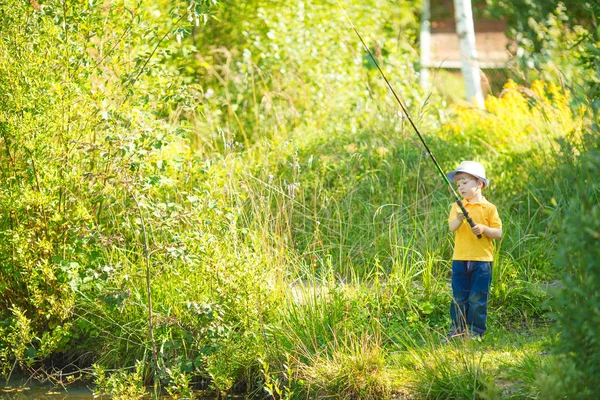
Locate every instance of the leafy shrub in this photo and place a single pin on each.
(121, 384)
(577, 304)
(558, 39)
(517, 120)
(80, 146)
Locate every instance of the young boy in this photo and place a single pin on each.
(473, 257)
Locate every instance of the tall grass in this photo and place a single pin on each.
(358, 230)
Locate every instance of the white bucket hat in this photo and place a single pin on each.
(471, 168)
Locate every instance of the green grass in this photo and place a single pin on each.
(503, 364)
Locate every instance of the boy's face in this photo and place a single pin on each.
(468, 185)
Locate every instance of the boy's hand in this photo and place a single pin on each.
(478, 229)
(460, 216)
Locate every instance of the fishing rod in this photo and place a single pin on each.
(405, 111)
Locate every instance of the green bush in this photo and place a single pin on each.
(578, 302)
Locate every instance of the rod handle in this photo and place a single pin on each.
(467, 216)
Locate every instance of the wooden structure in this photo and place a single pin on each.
(440, 43)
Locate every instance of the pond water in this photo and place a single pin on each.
(25, 389)
(50, 393)
(45, 393)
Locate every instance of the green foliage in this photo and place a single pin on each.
(553, 34)
(40, 212)
(577, 302)
(17, 338)
(515, 296)
(180, 385)
(120, 384)
(280, 385)
(78, 144)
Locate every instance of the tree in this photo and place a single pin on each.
(425, 41)
(556, 36)
(463, 16)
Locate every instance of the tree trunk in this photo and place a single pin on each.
(425, 42)
(463, 16)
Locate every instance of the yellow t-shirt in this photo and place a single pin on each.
(466, 246)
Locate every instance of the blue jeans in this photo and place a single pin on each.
(470, 290)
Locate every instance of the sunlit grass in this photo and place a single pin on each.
(501, 365)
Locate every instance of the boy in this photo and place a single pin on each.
(473, 257)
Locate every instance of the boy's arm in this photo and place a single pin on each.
(492, 233)
(455, 223)
(494, 228)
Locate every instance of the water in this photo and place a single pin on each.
(77, 392)
(27, 389)
(45, 393)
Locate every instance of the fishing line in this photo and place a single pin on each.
(405, 111)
